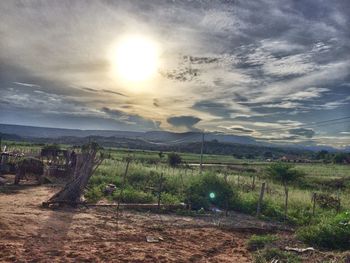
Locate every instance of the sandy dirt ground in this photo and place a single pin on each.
(30, 233)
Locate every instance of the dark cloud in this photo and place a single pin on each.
(103, 91)
(114, 92)
(131, 119)
(113, 112)
(215, 108)
(200, 60)
(308, 133)
(241, 129)
(156, 102)
(180, 74)
(183, 121)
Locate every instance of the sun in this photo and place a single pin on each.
(135, 58)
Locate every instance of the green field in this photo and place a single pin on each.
(227, 184)
(146, 167)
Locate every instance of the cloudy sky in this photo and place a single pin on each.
(271, 69)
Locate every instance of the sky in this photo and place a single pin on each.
(275, 70)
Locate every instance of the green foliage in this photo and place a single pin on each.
(247, 204)
(199, 189)
(330, 233)
(283, 172)
(174, 159)
(142, 180)
(260, 241)
(131, 195)
(94, 194)
(170, 199)
(275, 255)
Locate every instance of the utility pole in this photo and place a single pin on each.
(201, 163)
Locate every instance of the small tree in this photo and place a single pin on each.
(174, 159)
(285, 174)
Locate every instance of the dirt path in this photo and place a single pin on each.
(29, 233)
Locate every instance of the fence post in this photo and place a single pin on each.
(123, 186)
(313, 199)
(160, 190)
(258, 209)
(253, 183)
(339, 202)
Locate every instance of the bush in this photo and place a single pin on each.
(174, 159)
(247, 204)
(169, 199)
(330, 233)
(259, 242)
(209, 189)
(131, 195)
(275, 255)
(94, 194)
(143, 180)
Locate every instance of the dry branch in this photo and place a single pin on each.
(87, 163)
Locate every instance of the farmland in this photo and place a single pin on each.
(235, 185)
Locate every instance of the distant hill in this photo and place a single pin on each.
(156, 136)
(154, 140)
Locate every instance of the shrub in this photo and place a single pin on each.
(167, 198)
(258, 242)
(141, 179)
(209, 189)
(284, 173)
(330, 233)
(131, 195)
(94, 194)
(247, 204)
(275, 255)
(174, 159)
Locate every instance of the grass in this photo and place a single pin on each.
(143, 182)
(257, 242)
(329, 233)
(275, 255)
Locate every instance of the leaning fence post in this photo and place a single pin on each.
(258, 209)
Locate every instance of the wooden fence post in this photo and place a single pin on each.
(258, 209)
(253, 182)
(123, 186)
(313, 200)
(160, 189)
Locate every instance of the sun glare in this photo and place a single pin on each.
(135, 59)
